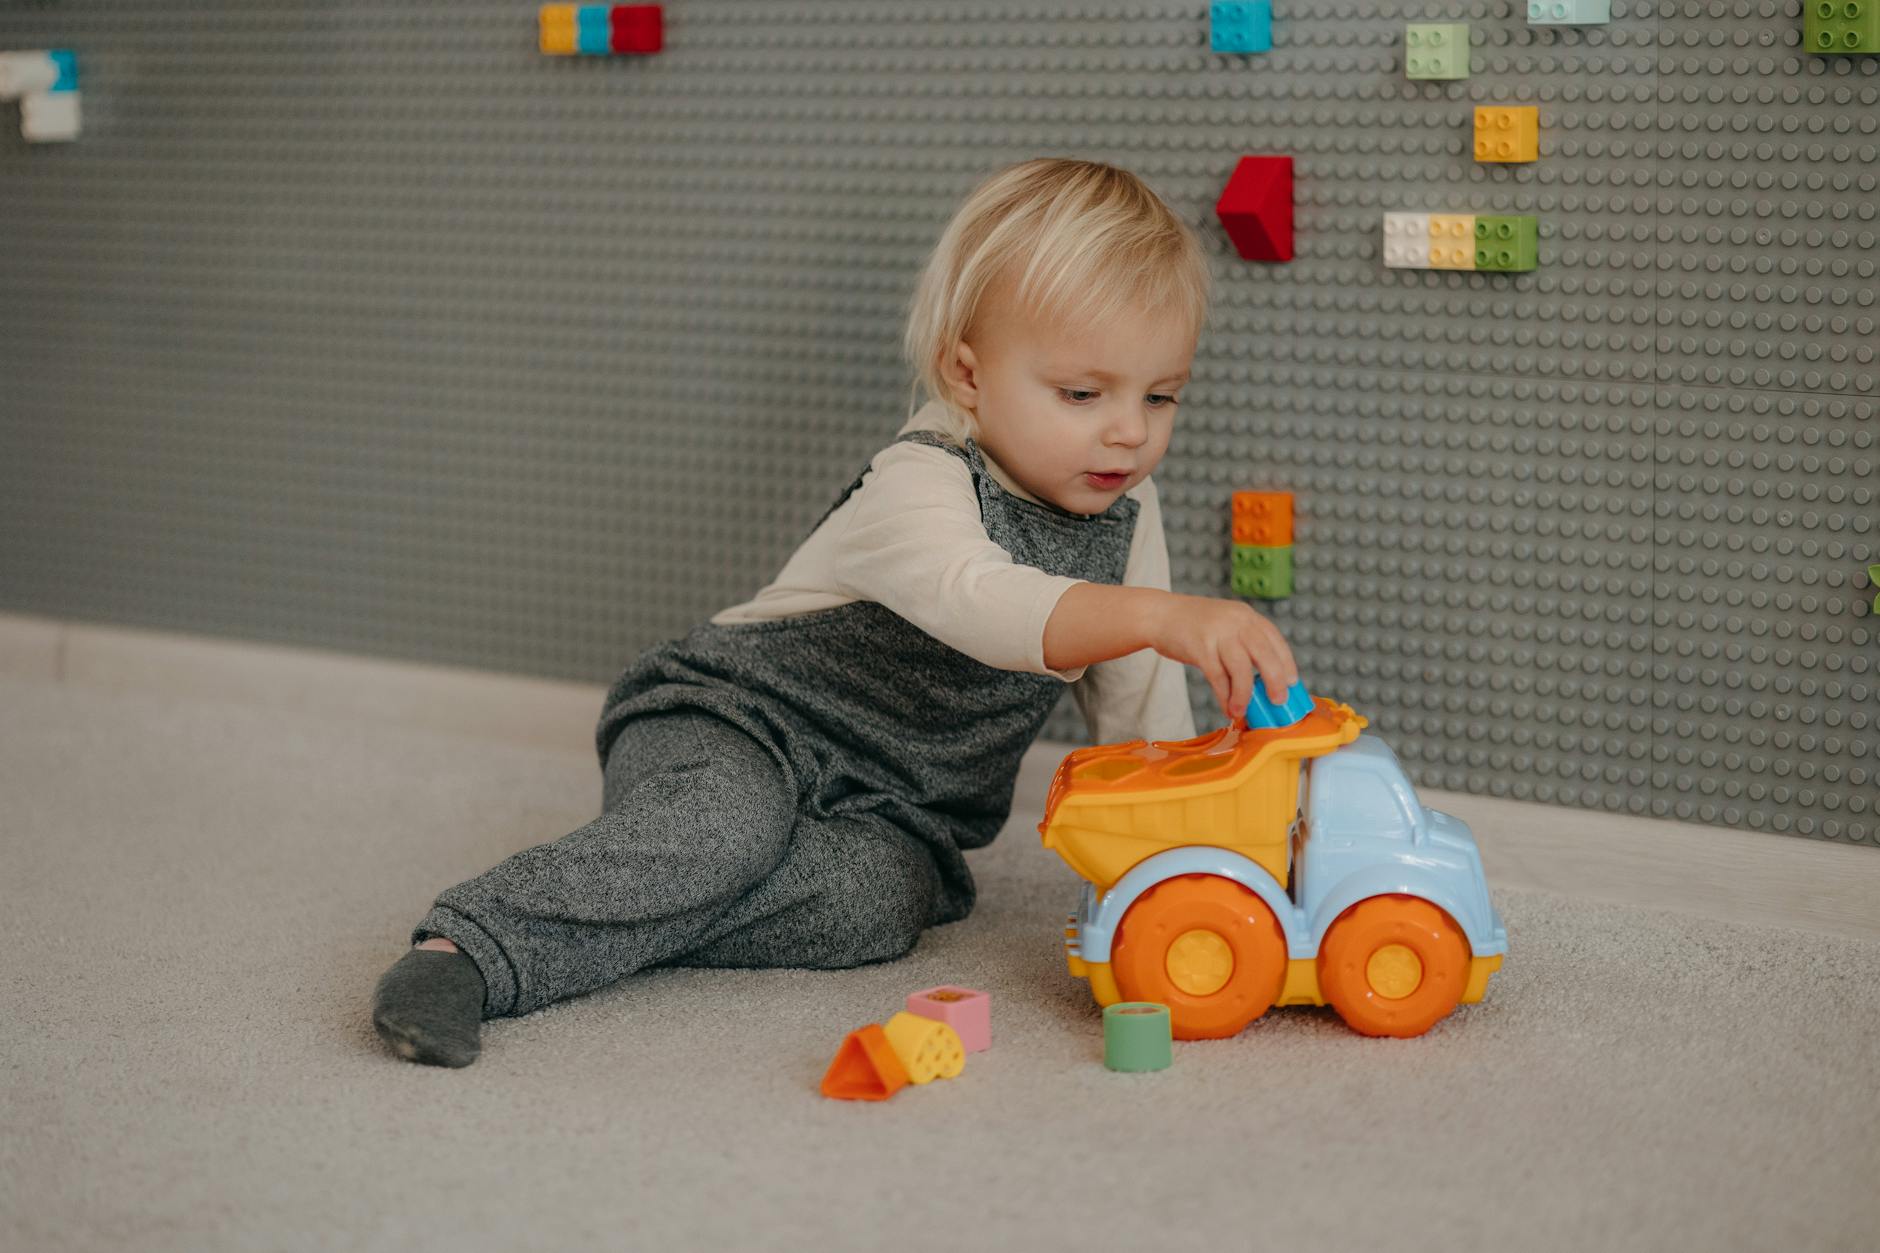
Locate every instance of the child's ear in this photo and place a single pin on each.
(960, 369)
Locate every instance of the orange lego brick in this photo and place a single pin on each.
(1508, 133)
(1263, 518)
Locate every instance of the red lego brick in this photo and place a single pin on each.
(636, 28)
(1256, 208)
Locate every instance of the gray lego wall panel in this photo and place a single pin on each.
(369, 327)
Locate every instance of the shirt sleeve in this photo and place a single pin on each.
(915, 544)
(1142, 694)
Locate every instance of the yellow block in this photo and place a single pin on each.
(927, 1047)
(1452, 241)
(557, 29)
(1508, 133)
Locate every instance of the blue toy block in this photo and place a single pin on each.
(592, 32)
(67, 62)
(1240, 26)
(1262, 712)
(1569, 12)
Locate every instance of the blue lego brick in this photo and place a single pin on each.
(1240, 26)
(67, 61)
(1569, 12)
(591, 30)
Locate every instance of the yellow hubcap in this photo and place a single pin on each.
(1200, 963)
(1394, 972)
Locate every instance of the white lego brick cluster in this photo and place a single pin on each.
(46, 85)
(1407, 241)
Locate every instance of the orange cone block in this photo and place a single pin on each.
(865, 1068)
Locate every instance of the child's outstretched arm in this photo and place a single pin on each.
(1225, 639)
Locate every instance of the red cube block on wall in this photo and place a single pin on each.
(636, 28)
(1256, 208)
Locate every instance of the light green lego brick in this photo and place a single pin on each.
(1841, 27)
(1436, 50)
(1506, 243)
(1263, 572)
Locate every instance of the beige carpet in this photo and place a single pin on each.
(195, 901)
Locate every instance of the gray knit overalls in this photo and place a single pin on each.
(793, 792)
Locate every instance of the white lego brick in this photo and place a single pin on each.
(1407, 241)
(23, 73)
(1569, 12)
(49, 116)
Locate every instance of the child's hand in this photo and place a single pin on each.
(1227, 641)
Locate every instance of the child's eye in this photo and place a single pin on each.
(1158, 400)
(1077, 395)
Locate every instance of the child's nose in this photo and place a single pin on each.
(1128, 428)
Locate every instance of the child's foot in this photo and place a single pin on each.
(429, 1006)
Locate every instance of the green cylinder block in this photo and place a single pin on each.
(1265, 573)
(1137, 1036)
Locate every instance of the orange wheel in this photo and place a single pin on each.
(1205, 947)
(1393, 965)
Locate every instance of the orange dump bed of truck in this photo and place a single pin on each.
(1111, 805)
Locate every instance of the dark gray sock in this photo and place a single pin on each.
(429, 1007)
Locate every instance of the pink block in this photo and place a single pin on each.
(966, 1011)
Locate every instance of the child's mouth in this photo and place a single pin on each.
(1106, 482)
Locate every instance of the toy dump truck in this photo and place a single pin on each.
(1262, 865)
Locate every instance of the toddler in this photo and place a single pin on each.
(794, 782)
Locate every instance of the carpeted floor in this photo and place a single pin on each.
(195, 900)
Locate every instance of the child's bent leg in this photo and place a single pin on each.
(849, 891)
(698, 812)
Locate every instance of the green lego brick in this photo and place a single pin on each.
(1436, 50)
(1506, 243)
(1873, 580)
(1840, 27)
(1263, 572)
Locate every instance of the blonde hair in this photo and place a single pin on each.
(1082, 240)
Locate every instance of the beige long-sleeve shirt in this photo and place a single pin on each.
(910, 539)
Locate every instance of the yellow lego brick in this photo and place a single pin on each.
(1508, 133)
(1452, 241)
(557, 30)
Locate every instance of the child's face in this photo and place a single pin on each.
(1076, 417)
